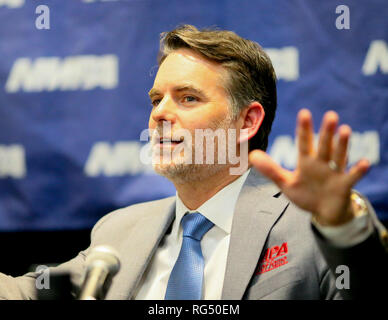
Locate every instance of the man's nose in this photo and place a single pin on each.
(164, 111)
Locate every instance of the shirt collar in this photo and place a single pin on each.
(218, 209)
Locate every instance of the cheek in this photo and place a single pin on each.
(151, 123)
(203, 118)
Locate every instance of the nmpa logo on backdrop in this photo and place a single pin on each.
(361, 145)
(376, 58)
(12, 3)
(285, 62)
(117, 159)
(12, 161)
(84, 72)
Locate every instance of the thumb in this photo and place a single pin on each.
(268, 167)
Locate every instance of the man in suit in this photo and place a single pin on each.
(265, 233)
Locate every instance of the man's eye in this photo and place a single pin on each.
(155, 102)
(189, 99)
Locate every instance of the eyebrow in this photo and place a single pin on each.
(154, 92)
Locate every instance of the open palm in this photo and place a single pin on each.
(320, 183)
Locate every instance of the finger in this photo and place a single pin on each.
(341, 148)
(326, 134)
(269, 168)
(305, 133)
(357, 172)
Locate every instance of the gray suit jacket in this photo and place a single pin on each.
(274, 252)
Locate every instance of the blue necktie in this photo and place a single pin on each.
(186, 278)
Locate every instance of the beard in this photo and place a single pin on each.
(185, 173)
(180, 169)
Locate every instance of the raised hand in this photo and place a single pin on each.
(320, 183)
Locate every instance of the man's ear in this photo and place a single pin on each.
(251, 119)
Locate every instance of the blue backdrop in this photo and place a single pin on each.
(73, 98)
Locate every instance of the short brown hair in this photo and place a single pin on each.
(251, 74)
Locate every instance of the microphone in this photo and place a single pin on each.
(101, 265)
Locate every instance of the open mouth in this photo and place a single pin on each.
(169, 142)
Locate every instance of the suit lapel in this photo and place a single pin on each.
(256, 212)
(137, 250)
